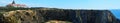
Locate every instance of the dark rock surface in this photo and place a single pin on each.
(45, 15)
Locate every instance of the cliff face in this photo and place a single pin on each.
(58, 16)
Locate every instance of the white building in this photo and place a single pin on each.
(13, 4)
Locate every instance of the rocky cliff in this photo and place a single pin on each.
(57, 16)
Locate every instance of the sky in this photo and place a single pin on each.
(71, 4)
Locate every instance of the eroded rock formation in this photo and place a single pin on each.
(58, 16)
(20, 16)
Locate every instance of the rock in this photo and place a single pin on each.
(58, 16)
(21, 16)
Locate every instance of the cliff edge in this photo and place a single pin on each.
(57, 16)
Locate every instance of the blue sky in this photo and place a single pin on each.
(68, 4)
(71, 4)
